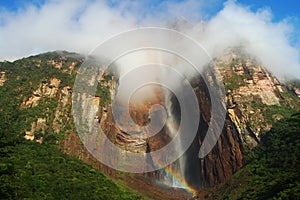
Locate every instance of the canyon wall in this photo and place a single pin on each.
(254, 100)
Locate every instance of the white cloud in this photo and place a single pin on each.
(82, 25)
(269, 41)
(64, 25)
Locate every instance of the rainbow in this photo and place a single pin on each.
(180, 180)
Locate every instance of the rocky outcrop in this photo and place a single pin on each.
(64, 63)
(37, 129)
(62, 114)
(45, 90)
(57, 63)
(58, 119)
(132, 143)
(294, 86)
(2, 78)
(297, 91)
(251, 91)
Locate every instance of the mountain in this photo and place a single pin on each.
(36, 105)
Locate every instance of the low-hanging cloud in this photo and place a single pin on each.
(82, 25)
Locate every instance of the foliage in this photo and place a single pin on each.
(103, 90)
(294, 83)
(104, 94)
(273, 168)
(234, 82)
(270, 111)
(30, 170)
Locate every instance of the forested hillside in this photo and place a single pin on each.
(38, 169)
(273, 167)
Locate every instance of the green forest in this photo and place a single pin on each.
(273, 167)
(30, 170)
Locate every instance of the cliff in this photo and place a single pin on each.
(255, 99)
(42, 94)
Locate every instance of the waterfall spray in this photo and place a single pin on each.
(174, 173)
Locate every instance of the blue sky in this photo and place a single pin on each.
(33, 26)
(280, 8)
(13, 5)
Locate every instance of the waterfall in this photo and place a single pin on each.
(184, 172)
(174, 175)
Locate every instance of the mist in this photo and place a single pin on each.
(80, 26)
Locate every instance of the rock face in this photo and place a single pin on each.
(53, 98)
(62, 112)
(225, 158)
(45, 90)
(251, 91)
(253, 97)
(36, 127)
